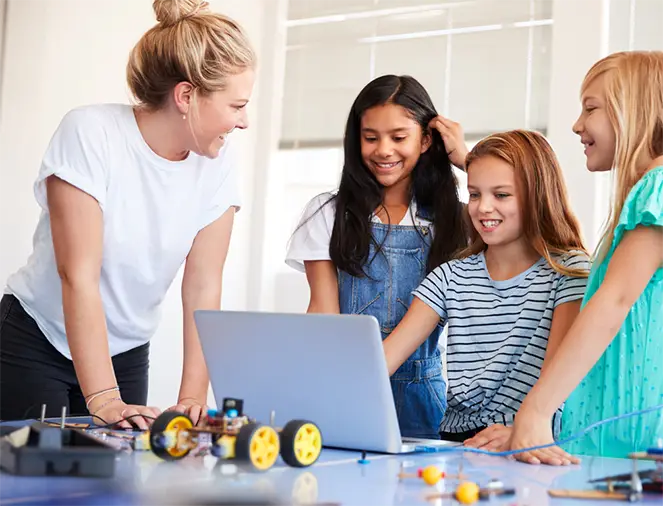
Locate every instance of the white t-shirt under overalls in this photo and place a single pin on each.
(311, 238)
(152, 208)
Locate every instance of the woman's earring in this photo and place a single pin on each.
(184, 117)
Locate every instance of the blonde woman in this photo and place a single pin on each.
(609, 362)
(129, 194)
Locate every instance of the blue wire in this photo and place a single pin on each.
(573, 437)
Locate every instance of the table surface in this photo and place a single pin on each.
(337, 478)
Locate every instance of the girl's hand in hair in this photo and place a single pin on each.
(454, 139)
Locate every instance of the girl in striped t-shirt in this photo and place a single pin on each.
(509, 297)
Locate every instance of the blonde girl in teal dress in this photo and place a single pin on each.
(611, 360)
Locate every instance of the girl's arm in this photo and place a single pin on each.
(323, 284)
(563, 317)
(496, 437)
(415, 327)
(77, 229)
(201, 289)
(632, 266)
(309, 248)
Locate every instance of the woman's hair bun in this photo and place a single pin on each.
(171, 12)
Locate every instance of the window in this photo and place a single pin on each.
(636, 25)
(470, 55)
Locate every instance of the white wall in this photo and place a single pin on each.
(570, 63)
(65, 53)
(272, 70)
(484, 62)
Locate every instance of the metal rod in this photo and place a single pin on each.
(635, 494)
(43, 413)
(64, 415)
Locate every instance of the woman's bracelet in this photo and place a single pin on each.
(93, 396)
(109, 401)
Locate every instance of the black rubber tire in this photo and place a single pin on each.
(243, 447)
(158, 427)
(287, 437)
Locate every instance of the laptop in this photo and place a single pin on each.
(329, 369)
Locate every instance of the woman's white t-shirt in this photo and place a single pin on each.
(310, 240)
(152, 210)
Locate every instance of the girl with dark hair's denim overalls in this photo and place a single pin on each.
(395, 217)
(386, 293)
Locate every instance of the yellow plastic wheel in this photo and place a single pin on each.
(169, 421)
(257, 445)
(176, 424)
(301, 443)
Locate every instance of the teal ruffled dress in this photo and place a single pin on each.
(629, 375)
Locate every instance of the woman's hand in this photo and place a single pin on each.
(531, 429)
(494, 438)
(112, 410)
(193, 408)
(454, 139)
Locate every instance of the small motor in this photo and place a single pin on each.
(233, 408)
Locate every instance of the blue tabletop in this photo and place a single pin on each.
(337, 478)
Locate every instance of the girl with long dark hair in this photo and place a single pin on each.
(395, 217)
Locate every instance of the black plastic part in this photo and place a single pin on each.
(236, 404)
(51, 451)
(487, 493)
(243, 445)
(157, 429)
(287, 437)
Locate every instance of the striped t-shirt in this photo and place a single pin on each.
(497, 334)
